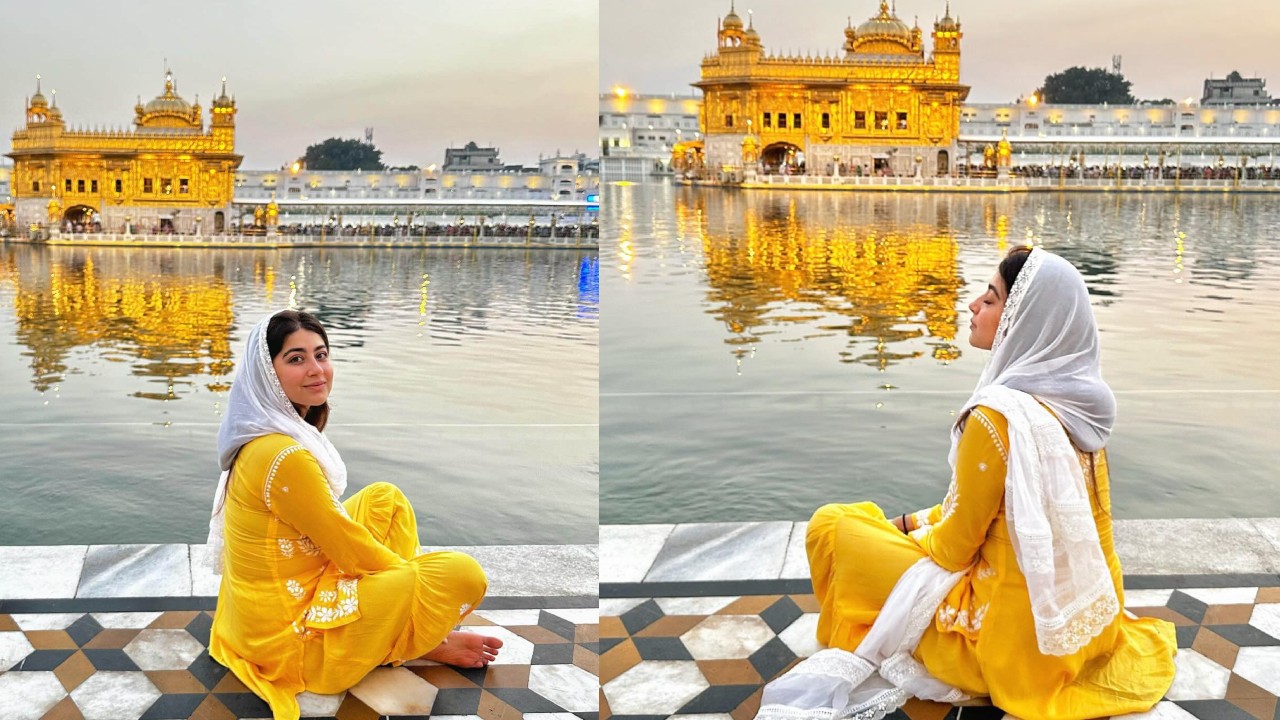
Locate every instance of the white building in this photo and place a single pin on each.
(638, 132)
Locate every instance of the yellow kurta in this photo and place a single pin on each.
(982, 640)
(317, 593)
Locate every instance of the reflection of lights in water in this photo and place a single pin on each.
(589, 287)
(422, 302)
(293, 292)
(1177, 255)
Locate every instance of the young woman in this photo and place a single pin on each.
(317, 592)
(1010, 589)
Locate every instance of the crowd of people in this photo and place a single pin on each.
(1167, 172)
(591, 230)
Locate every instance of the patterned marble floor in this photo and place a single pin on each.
(709, 656)
(155, 666)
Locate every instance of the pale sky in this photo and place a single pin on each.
(425, 75)
(1168, 47)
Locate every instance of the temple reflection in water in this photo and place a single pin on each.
(892, 288)
(164, 314)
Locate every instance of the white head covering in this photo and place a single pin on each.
(259, 406)
(1046, 351)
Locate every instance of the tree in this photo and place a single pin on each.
(1086, 86)
(343, 154)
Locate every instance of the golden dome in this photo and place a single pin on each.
(38, 100)
(886, 24)
(168, 102)
(732, 21)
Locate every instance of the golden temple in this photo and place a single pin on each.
(881, 108)
(166, 174)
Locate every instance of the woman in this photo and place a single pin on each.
(1010, 589)
(317, 592)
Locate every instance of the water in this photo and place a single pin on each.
(767, 352)
(468, 378)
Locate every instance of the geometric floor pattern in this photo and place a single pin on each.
(155, 666)
(710, 656)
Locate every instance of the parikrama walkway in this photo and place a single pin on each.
(992, 185)
(119, 632)
(696, 618)
(477, 241)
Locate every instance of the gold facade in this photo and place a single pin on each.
(883, 106)
(167, 172)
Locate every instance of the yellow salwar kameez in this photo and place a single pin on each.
(316, 593)
(982, 639)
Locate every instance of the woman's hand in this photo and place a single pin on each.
(903, 523)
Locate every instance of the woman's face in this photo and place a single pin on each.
(304, 370)
(986, 311)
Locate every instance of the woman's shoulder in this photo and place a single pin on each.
(265, 449)
(986, 421)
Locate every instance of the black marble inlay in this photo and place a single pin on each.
(1214, 710)
(1186, 634)
(588, 715)
(244, 704)
(772, 659)
(456, 701)
(1190, 607)
(108, 659)
(174, 707)
(661, 648)
(522, 699)
(475, 675)
(84, 629)
(556, 624)
(207, 670)
(980, 712)
(607, 644)
(641, 616)
(781, 614)
(199, 628)
(41, 660)
(718, 699)
(1244, 635)
(555, 654)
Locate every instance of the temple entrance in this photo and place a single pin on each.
(80, 219)
(219, 222)
(880, 166)
(782, 159)
(944, 163)
(166, 225)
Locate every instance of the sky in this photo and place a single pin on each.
(1167, 47)
(424, 74)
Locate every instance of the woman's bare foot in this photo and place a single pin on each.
(466, 650)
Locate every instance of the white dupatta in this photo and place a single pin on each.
(258, 406)
(1045, 351)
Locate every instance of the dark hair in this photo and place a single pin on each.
(1011, 265)
(282, 325)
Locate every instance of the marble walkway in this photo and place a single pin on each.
(120, 633)
(696, 618)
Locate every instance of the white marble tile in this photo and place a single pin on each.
(721, 716)
(722, 551)
(29, 695)
(694, 605)
(313, 705)
(726, 637)
(46, 621)
(796, 563)
(655, 688)
(47, 571)
(1269, 528)
(14, 646)
(618, 606)
(627, 551)
(462, 717)
(1198, 678)
(395, 691)
(1224, 596)
(1146, 598)
(802, 635)
(568, 686)
(1260, 666)
(136, 571)
(1162, 711)
(578, 616)
(126, 620)
(110, 695)
(539, 570)
(1171, 547)
(554, 716)
(510, 617)
(163, 649)
(515, 649)
(203, 582)
(1266, 617)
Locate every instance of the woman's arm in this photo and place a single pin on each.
(300, 495)
(975, 497)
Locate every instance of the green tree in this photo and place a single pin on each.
(343, 154)
(1086, 86)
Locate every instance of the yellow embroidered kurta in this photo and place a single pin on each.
(316, 593)
(982, 639)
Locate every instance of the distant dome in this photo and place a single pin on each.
(732, 21)
(168, 102)
(948, 24)
(885, 25)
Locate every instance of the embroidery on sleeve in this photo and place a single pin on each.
(286, 547)
(271, 474)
